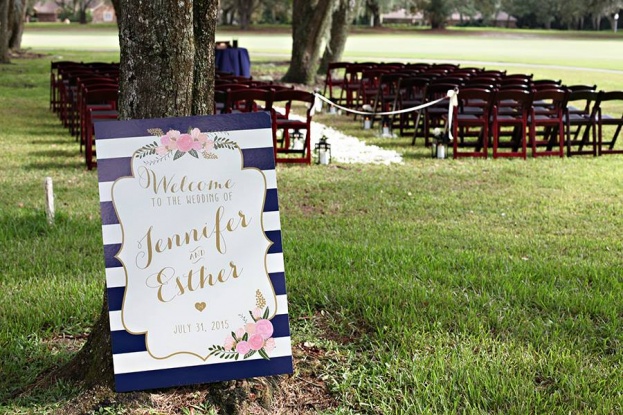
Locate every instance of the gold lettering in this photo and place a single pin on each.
(149, 179)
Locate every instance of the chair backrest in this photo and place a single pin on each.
(550, 101)
(610, 97)
(581, 87)
(440, 90)
(582, 102)
(249, 100)
(476, 97)
(520, 99)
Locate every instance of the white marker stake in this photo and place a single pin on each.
(49, 199)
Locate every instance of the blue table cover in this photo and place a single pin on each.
(234, 60)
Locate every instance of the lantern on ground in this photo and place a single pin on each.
(323, 151)
(386, 131)
(367, 122)
(296, 140)
(439, 145)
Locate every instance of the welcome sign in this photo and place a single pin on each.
(192, 246)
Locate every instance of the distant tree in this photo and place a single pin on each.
(245, 9)
(437, 12)
(17, 16)
(340, 26)
(4, 31)
(310, 23)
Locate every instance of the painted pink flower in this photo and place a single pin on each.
(229, 343)
(170, 139)
(257, 313)
(184, 143)
(198, 135)
(256, 342)
(240, 332)
(264, 328)
(243, 347)
(269, 346)
(250, 328)
(162, 150)
(208, 145)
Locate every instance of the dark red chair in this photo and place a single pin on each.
(291, 135)
(581, 122)
(509, 122)
(470, 127)
(547, 122)
(612, 122)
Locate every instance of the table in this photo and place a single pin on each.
(234, 60)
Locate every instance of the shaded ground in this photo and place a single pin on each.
(304, 392)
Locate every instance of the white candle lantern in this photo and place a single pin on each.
(323, 151)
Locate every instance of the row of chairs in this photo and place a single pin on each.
(548, 121)
(291, 134)
(392, 86)
(81, 93)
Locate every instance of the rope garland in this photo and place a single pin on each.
(452, 96)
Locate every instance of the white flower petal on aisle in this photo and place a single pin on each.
(349, 149)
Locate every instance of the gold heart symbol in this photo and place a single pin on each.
(200, 306)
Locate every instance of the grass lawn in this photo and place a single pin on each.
(435, 286)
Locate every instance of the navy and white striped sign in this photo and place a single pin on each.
(192, 246)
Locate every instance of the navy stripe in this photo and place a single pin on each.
(217, 372)
(281, 325)
(271, 204)
(115, 298)
(124, 342)
(109, 216)
(262, 158)
(279, 282)
(109, 255)
(109, 170)
(275, 237)
(206, 123)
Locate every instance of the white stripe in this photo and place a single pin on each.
(126, 146)
(111, 234)
(142, 361)
(105, 191)
(115, 277)
(274, 263)
(271, 221)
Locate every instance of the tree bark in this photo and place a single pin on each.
(17, 24)
(340, 27)
(245, 10)
(166, 70)
(310, 21)
(4, 31)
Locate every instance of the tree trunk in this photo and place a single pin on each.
(340, 26)
(205, 16)
(245, 11)
(17, 23)
(310, 21)
(375, 12)
(166, 70)
(4, 31)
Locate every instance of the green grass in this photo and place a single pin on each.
(437, 286)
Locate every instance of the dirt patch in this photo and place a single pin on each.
(304, 392)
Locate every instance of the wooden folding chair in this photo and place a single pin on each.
(546, 122)
(470, 127)
(609, 101)
(581, 114)
(291, 135)
(509, 122)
